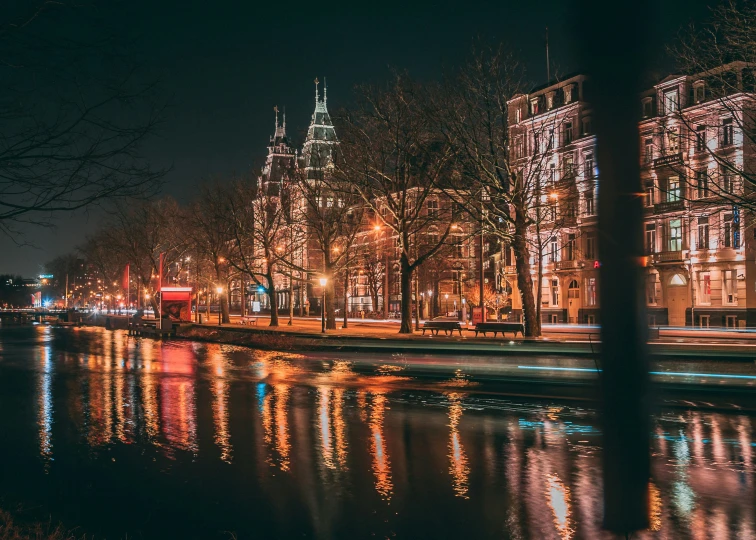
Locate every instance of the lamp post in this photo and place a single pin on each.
(323, 283)
(378, 229)
(446, 303)
(430, 304)
(219, 290)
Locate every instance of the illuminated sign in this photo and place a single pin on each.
(46, 276)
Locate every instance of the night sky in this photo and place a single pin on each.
(225, 65)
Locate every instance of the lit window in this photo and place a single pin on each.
(650, 238)
(671, 101)
(727, 132)
(703, 232)
(675, 235)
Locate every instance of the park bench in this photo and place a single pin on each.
(497, 327)
(248, 319)
(447, 326)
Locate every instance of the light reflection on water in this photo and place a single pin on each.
(350, 454)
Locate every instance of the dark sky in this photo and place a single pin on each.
(227, 64)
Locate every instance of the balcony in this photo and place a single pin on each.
(510, 269)
(669, 206)
(567, 265)
(668, 160)
(668, 257)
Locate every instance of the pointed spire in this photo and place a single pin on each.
(325, 89)
(316, 90)
(284, 118)
(276, 109)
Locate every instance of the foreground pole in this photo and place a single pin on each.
(613, 42)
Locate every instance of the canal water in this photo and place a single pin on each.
(141, 439)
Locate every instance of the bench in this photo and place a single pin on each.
(248, 319)
(497, 327)
(447, 326)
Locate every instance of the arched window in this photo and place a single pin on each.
(677, 280)
(573, 291)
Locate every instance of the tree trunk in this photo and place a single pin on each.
(346, 298)
(406, 284)
(225, 317)
(272, 296)
(291, 299)
(330, 309)
(524, 279)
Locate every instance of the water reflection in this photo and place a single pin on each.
(358, 453)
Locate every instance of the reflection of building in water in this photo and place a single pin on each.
(275, 422)
(100, 403)
(219, 365)
(149, 390)
(331, 430)
(177, 400)
(45, 405)
(379, 448)
(458, 463)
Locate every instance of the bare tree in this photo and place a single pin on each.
(259, 225)
(210, 234)
(504, 184)
(395, 158)
(71, 136)
(141, 232)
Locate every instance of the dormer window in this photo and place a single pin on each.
(534, 105)
(699, 92)
(550, 101)
(648, 107)
(671, 101)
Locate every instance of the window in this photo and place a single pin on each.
(648, 150)
(731, 232)
(727, 132)
(727, 179)
(650, 238)
(703, 232)
(554, 292)
(569, 165)
(552, 173)
(673, 189)
(573, 290)
(647, 107)
(699, 92)
(673, 142)
(432, 208)
(459, 250)
(731, 321)
(702, 183)
(536, 142)
(340, 202)
(329, 202)
(486, 247)
(675, 235)
(590, 247)
(587, 127)
(652, 289)
(729, 287)
(649, 194)
(589, 166)
(589, 203)
(671, 101)
(550, 141)
(569, 248)
(590, 291)
(519, 147)
(319, 201)
(704, 320)
(704, 287)
(700, 138)
(567, 132)
(553, 251)
(517, 115)
(545, 292)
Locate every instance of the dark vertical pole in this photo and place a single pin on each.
(612, 46)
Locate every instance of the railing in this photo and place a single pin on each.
(668, 256)
(669, 206)
(566, 265)
(671, 159)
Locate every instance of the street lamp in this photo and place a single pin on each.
(446, 303)
(323, 283)
(430, 304)
(219, 290)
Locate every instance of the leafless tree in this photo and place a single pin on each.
(140, 233)
(71, 136)
(209, 232)
(395, 158)
(500, 189)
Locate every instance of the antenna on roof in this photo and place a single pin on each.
(548, 66)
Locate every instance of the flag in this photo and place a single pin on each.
(125, 281)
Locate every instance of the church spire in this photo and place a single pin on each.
(325, 89)
(317, 95)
